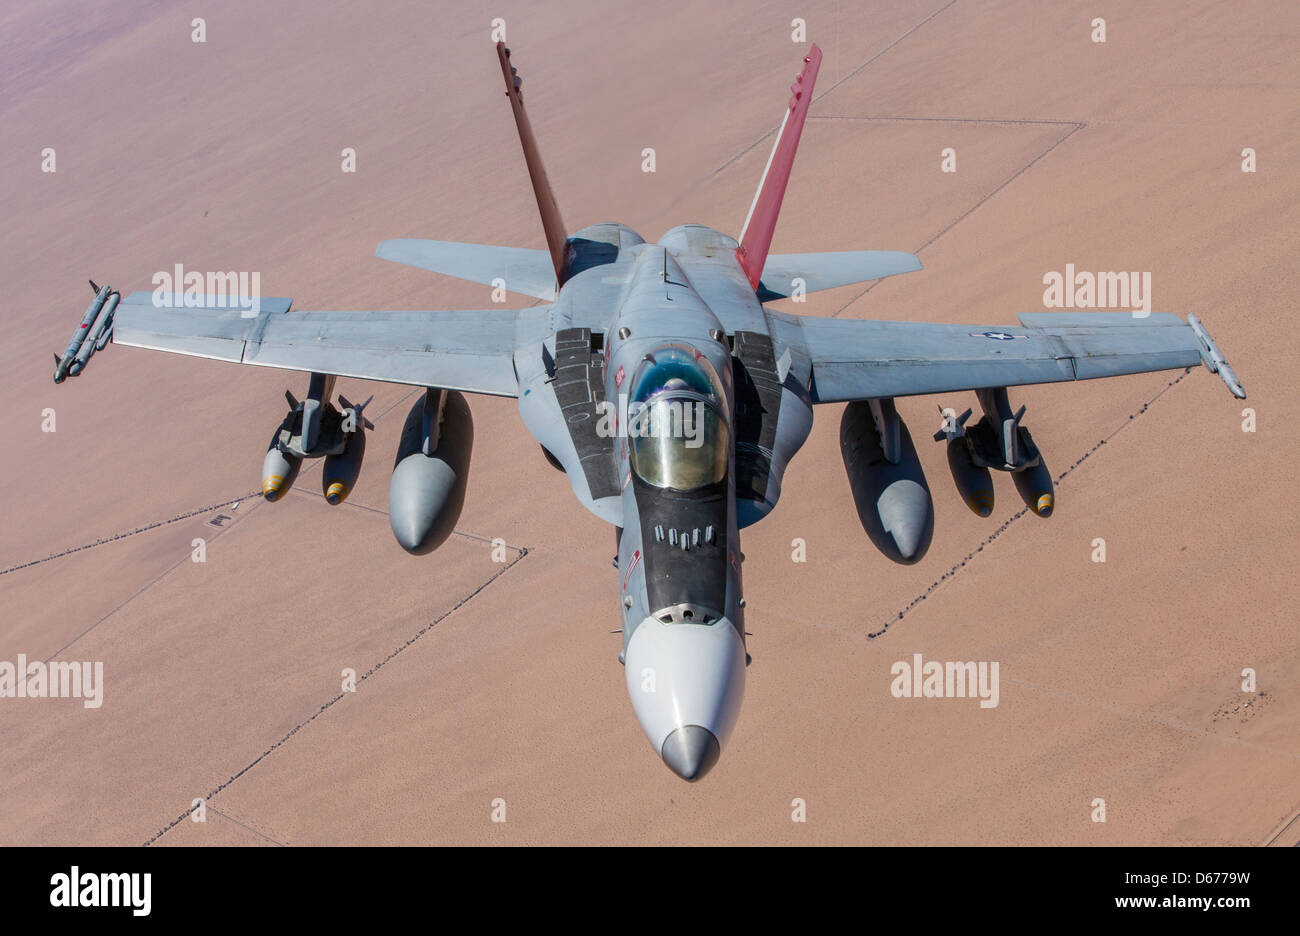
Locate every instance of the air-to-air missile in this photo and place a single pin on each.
(95, 331)
(1214, 359)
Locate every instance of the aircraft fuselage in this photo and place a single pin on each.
(682, 426)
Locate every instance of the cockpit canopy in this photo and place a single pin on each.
(676, 367)
(677, 428)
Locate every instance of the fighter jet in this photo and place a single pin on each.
(657, 378)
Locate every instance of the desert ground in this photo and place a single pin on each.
(488, 686)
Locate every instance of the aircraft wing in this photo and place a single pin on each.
(859, 360)
(471, 351)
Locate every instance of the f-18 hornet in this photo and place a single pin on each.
(659, 380)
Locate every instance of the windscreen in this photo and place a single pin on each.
(677, 434)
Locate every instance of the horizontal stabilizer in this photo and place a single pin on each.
(828, 270)
(524, 271)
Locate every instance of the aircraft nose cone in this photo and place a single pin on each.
(691, 751)
(686, 683)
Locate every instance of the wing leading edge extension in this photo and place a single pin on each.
(860, 360)
(472, 351)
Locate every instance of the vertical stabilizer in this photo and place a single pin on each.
(551, 223)
(756, 236)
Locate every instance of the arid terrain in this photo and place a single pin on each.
(486, 685)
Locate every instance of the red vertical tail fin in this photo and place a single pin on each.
(756, 236)
(556, 236)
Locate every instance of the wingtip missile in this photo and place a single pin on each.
(1214, 360)
(93, 326)
(99, 334)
